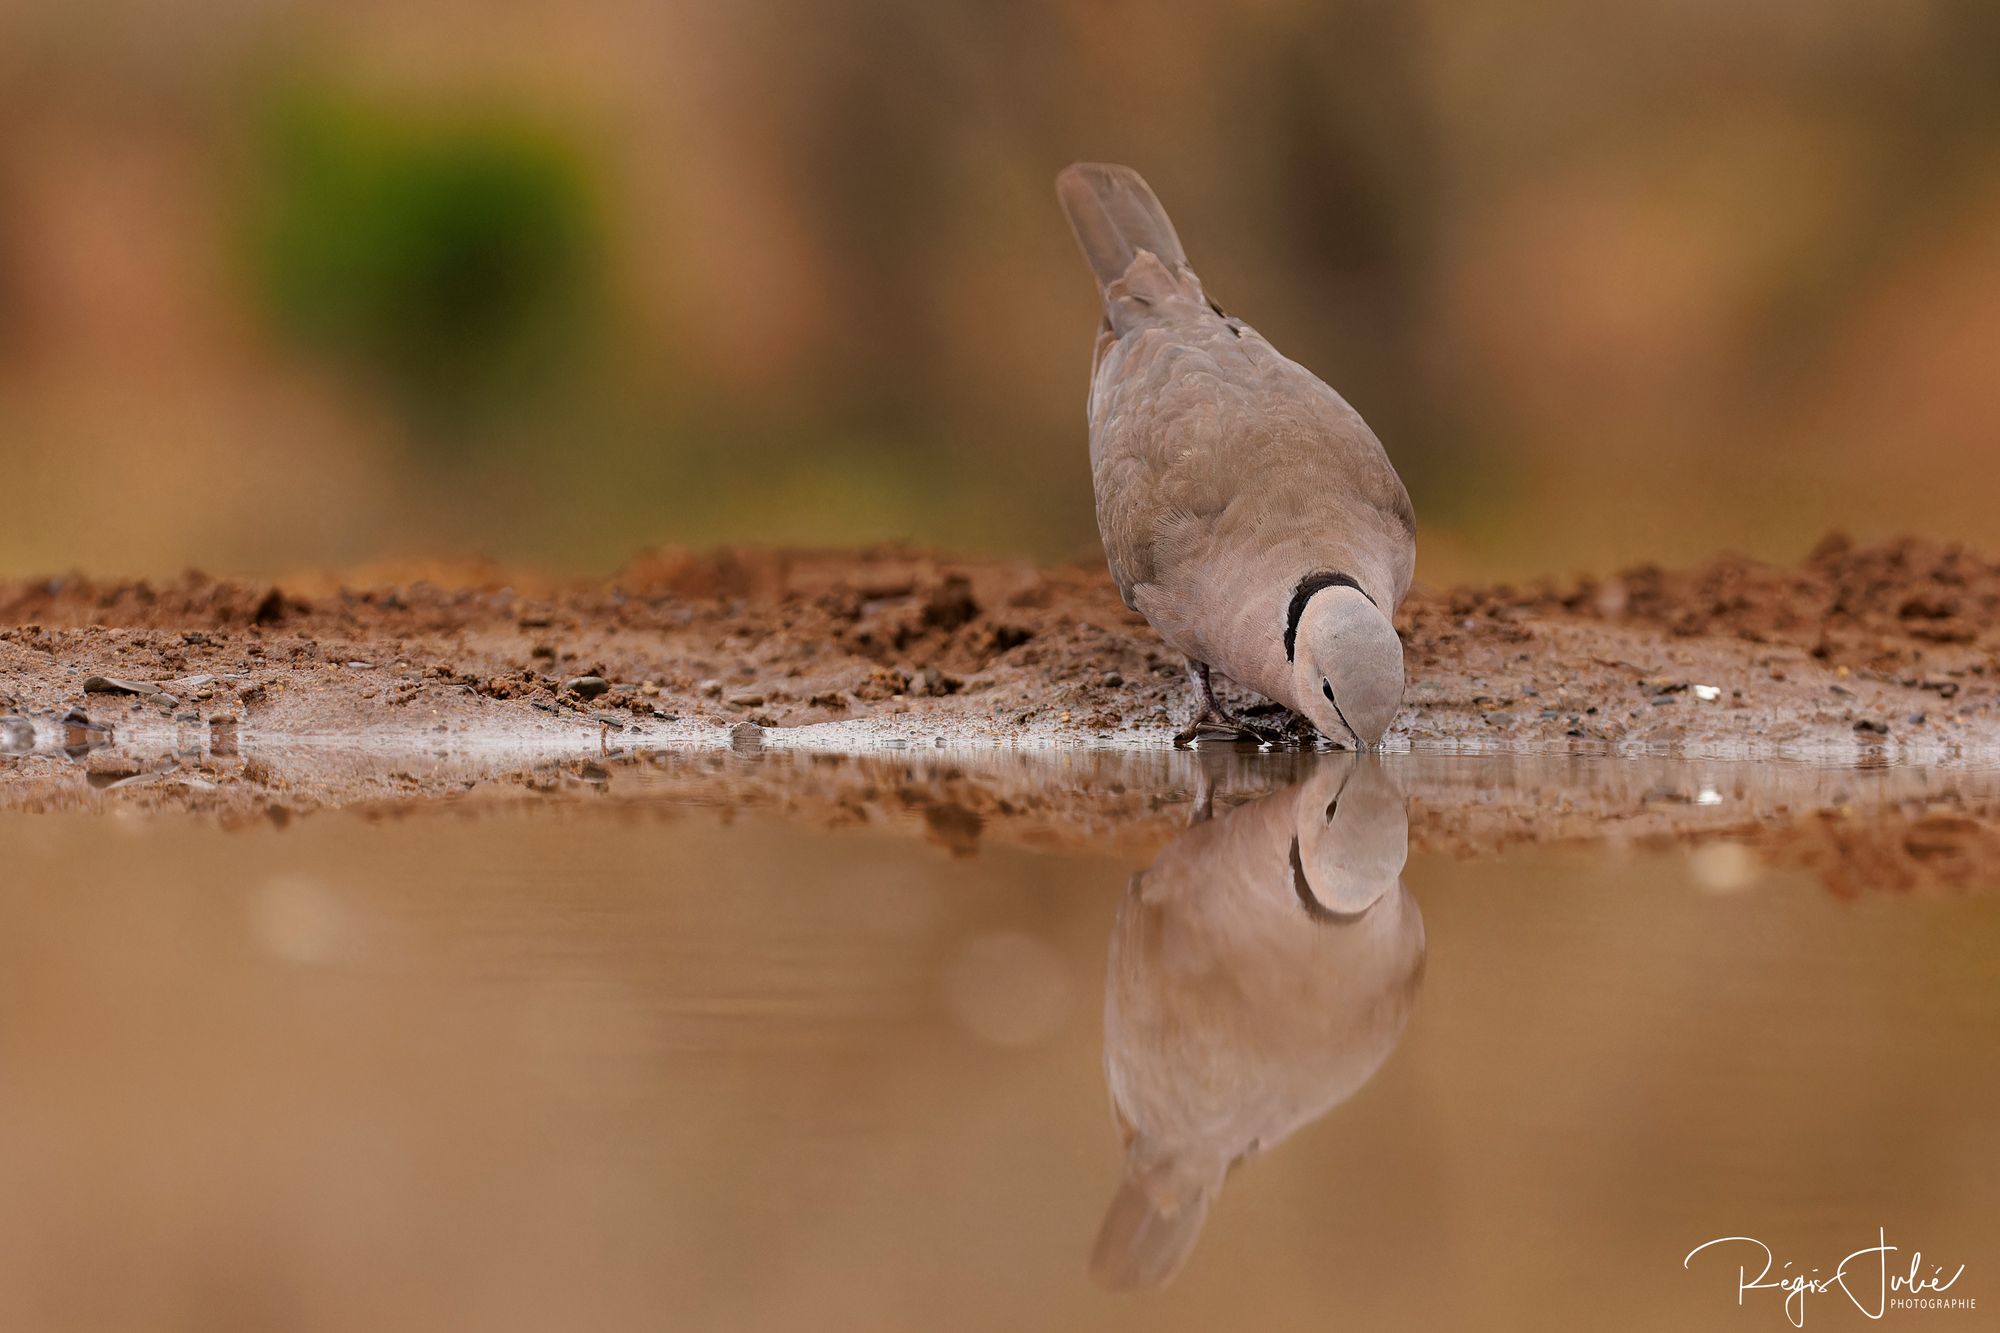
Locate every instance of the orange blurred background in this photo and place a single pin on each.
(317, 283)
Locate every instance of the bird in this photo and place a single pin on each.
(1247, 511)
(1261, 971)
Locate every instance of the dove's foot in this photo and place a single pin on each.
(1203, 731)
(1214, 722)
(1216, 725)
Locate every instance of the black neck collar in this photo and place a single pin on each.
(1303, 593)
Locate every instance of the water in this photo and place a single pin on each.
(1079, 1041)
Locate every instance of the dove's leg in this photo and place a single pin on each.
(1204, 689)
(1208, 712)
(1212, 714)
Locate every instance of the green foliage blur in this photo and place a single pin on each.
(451, 257)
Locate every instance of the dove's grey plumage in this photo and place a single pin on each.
(1247, 511)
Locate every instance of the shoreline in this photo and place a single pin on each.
(1880, 654)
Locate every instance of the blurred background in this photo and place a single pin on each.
(297, 283)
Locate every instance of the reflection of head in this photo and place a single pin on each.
(1351, 841)
(1261, 971)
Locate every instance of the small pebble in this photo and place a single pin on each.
(109, 685)
(588, 687)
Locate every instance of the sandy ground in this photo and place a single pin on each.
(979, 700)
(1885, 651)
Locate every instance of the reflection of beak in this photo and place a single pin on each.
(1316, 909)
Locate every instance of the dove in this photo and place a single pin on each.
(1248, 513)
(1261, 970)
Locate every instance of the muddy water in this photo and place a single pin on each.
(1236, 1057)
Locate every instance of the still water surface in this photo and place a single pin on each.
(660, 1064)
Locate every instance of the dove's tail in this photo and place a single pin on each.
(1115, 215)
(1144, 1238)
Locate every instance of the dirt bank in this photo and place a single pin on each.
(1885, 650)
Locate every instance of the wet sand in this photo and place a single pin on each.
(1877, 829)
(1886, 650)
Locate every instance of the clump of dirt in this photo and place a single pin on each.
(1885, 650)
(1897, 640)
(1879, 607)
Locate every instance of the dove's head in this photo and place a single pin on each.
(1347, 666)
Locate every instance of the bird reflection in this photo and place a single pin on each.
(1261, 970)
